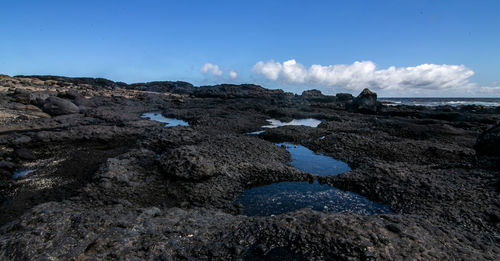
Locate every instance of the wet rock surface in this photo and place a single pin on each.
(111, 185)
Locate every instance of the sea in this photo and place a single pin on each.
(431, 102)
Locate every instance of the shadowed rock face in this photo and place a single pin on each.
(488, 143)
(488, 149)
(366, 102)
(108, 184)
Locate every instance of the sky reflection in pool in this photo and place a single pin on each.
(21, 172)
(306, 160)
(170, 122)
(255, 132)
(273, 123)
(282, 197)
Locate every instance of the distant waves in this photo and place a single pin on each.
(441, 101)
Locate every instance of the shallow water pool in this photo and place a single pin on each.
(273, 123)
(21, 172)
(282, 197)
(315, 163)
(255, 132)
(170, 122)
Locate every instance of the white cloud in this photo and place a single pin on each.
(270, 69)
(211, 68)
(364, 74)
(294, 72)
(233, 75)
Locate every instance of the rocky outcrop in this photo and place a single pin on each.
(365, 102)
(93, 83)
(57, 106)
(317, 96)
(178, 87)
(231, 91)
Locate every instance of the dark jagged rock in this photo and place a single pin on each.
(365, 102)
(58, 106)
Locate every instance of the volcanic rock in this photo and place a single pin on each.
(25, 154)
(365, 102)
(317, 96)
(344, 97)
(58, 106)
(187, 163)
(111, 185)
(38, 98)
(488, 143)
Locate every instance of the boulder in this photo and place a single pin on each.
(57, 106)
(366, 102)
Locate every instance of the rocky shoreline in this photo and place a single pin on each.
(108, 184)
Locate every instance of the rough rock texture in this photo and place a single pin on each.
(365, 102)
(57, 106)
(110, 185)
(488, 143)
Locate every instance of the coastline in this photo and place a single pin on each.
(110, 184)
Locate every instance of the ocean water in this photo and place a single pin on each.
(441, 101)
(170, 122)
(282, 197)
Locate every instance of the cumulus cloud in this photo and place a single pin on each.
(233, 75)
(211, 68)
(271, 70)
(364, 74)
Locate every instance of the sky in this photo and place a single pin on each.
(412, 48)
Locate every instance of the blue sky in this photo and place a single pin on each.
(436, 48)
